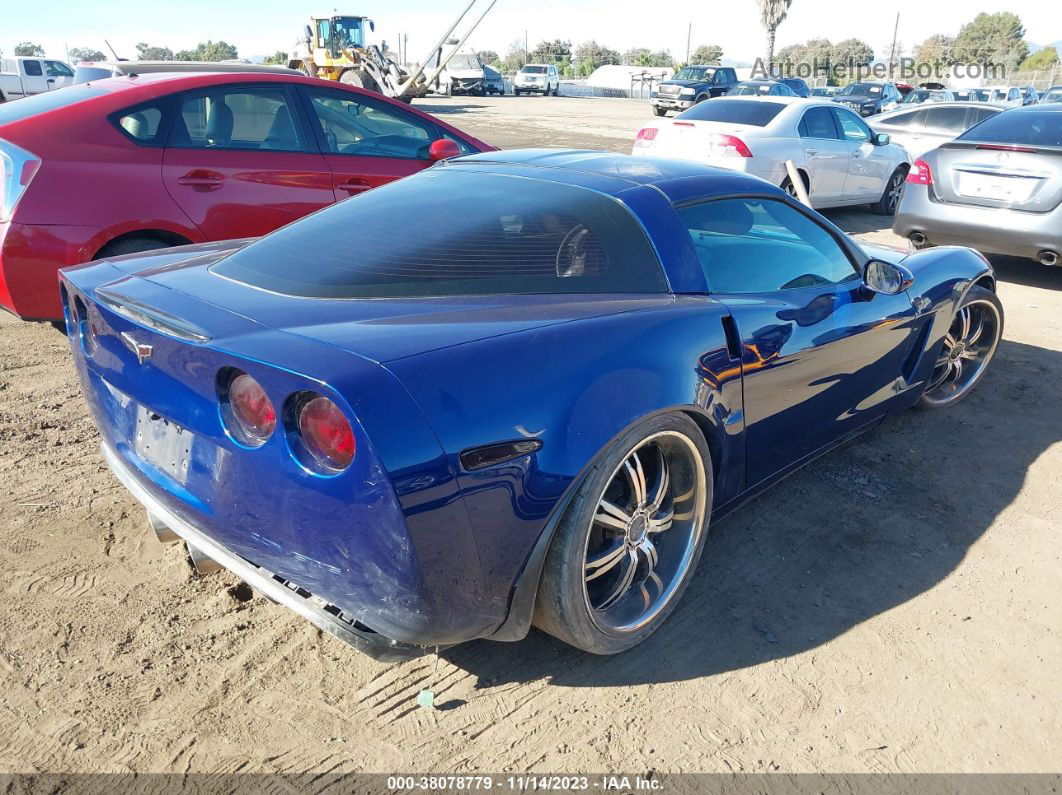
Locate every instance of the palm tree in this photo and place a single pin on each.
(772, 14)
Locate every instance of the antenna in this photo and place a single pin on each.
(117, 57)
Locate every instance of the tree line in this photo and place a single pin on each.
(987, 39)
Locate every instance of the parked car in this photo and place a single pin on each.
(920, 96)
(841, 160)
(1029, 95)
(868, 98)
(308, 410)
(537, 78)
(22, 76)
(493, 82)
(919, 129)
(761, 88)
(904, 88)
(798, 86)
(997, 188)
(464, 75)
(1053, 94)
(1004, 95)
(101, 70)
(691, 85)
(824, 91)
(971, 94)
(136, 163)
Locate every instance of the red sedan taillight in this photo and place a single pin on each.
(920, 174)
(326, 433)
(253, 416)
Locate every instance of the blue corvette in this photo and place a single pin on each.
(511, 390)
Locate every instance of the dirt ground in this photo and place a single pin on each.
(893, 607)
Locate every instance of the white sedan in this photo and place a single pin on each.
(840, 159)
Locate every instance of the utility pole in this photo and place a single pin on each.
(689, 33)
(892, 52)
(527, 52)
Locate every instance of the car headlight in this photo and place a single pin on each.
(687, 92)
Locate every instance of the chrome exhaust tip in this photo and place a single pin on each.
(1049, 258)
(203, 564)
(917, 238)
(161, 531)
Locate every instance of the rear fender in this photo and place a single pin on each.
(592, 380)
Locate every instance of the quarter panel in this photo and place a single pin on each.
(574, 386)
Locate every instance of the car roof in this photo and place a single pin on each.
(916, 106)
(611, 173)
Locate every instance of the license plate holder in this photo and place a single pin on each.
(163, 444)
(987, 186)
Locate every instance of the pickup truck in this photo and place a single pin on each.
(690, 85)
(23, 76)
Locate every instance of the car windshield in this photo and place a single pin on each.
(694, 73)
(737, 111)
(820, 92)
(971, 95)
(534, 70)
(49, 100)
(861, 89)
(1055, 95)
(917, 97)
(349, 31)
(465, 61)
(1018, 127)
(510, 235)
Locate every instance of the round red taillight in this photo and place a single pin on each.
(326, 433)
(252, 409)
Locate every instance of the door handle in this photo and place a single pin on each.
(811, 151)
(201, 180)
(354, 185)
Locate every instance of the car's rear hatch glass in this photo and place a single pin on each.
(446, 232)
(734, 111)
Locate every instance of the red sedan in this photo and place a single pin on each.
(142, 162)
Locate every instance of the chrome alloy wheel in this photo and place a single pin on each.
(894, 191)
(645, 532)
(968, 347)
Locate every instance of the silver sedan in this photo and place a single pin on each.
(996, 188)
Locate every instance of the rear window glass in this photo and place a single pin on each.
(1026, 128)
(42, 103)
(446, 232)
(737, 111)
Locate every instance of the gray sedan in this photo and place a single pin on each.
(919, 128)
(996, 188)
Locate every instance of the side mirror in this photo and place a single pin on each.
(881, 139)
(443, 149)
(309, 34)
(886, 278)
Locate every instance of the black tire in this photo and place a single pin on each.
(787, 186)
(935, 396)
(700, 99)
(659, 111)
(359, 79)
(131, 245)
(890, 197)
(563, 605)
(58, 325)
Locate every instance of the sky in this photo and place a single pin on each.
(260, 27)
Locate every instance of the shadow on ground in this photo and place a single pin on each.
(784, 575)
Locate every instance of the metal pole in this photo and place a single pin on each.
(797, 183)
(892, 52)
(689, 33)
(438, 47)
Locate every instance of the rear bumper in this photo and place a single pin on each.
(313, 609)
(30, 258)
(988, 229)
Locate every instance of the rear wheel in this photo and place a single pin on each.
(630, 540)
(969, 346)
(131, 245)
(890, 198)
(659, 111)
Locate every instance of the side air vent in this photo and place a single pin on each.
(491, 454)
